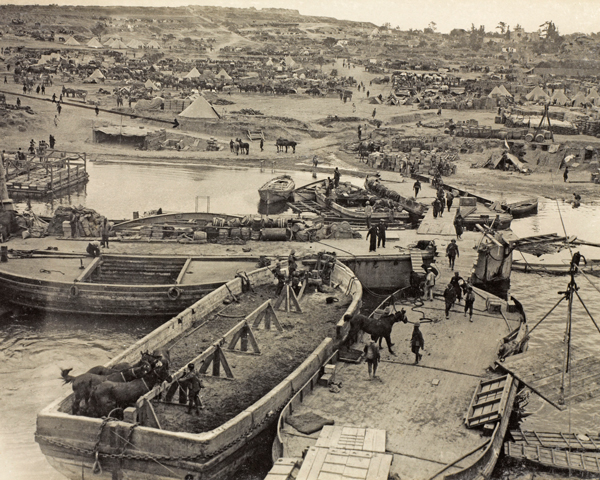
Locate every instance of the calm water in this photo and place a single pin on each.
(119, 189)
(33, 347)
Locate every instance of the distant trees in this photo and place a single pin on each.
(476, 36)
(551, 39)
(502, 27)
(329, 42)
(431, 28)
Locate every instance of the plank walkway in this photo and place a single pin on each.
(564, 441)
(554, 458)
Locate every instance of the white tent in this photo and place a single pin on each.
(290, 62)
(223, 75)
(537, 94)
(153, 44)
(559, 98)
(135, 44)
(97, 75)
(72, 41)
(504, 92)
(579, 99)
(269, 62)
(117, 44)
(150, 84)
(194, 116)
(193, 73)
(94, 43)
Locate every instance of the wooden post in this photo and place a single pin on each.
(245, 334)
(267, 314)
(217, 358)
(290, 298)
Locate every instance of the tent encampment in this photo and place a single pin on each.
(560, 98)
(223, 75)
(579, 99)
(135, 44)
(195, 116)
(153, 44)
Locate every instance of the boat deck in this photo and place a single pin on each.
(255, 375)
(206, 271)
(54, 269)
(423, 406)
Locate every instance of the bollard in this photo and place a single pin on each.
(3, 253)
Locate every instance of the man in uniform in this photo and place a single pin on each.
(429, 283)
(372, 356)
(452, 252)
(194, 387)
(381, 228)
(368, 213)
(417, 342)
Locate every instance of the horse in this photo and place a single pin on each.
(244, 146)
(379, 328)
(146, 357)
(282, 142)
(108, 396)
(83, 384)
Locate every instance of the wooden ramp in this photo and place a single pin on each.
(255, 135)
(549, 457)
(416, 260)
(438, 226)
(305, 206)
(489, 401)
(557, 440)
(542, 371)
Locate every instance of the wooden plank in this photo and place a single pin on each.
(307, 464)
(379, 442)
(373, 472)
(325, 436)
(317, 463)
(369, 440)
(183, 270)
(88, 270)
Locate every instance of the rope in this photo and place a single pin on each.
(43, 270)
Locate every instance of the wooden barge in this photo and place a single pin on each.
(428, 413)
(475, 213)
(129, 285)
(358, 213)
(159, 441)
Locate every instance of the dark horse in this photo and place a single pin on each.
(108, 396)
(244, 146)
(282, 142)
(379, 328)
(83, 384)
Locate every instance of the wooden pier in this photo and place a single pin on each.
(46, 172)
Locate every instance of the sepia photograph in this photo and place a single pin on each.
(301, 240)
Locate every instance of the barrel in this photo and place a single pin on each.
(498, 120)
(502, 134)
(66, 229)
(246, 232)
(281, 222)
(547, 134)
(257, 223)
(236, 232)
(274, 234)
(255, 235)
(218, 222)
(211, 233)
(529, 137)
(517, 134)
(223, 233)
(200, 236)
(539, 137)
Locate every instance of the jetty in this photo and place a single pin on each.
(48, 172)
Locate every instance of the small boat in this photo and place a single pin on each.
(363, 422)
(185, 219)
(259, 357)
(522, 208)
(475, 213)
(592, 267)
(277, 189)
(129, 285)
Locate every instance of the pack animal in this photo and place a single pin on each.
(244, 147)
(379, 328)
(282, 143)
(83, 384)
(146, 357)
(108, 396)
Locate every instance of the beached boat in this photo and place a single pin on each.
(173, 220)
(131, 285)
(416, 209)
(426, 416)
(475, 213)
(277, 189)
(158, 440)
(522, 208)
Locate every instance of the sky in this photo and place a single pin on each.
(569, 15)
